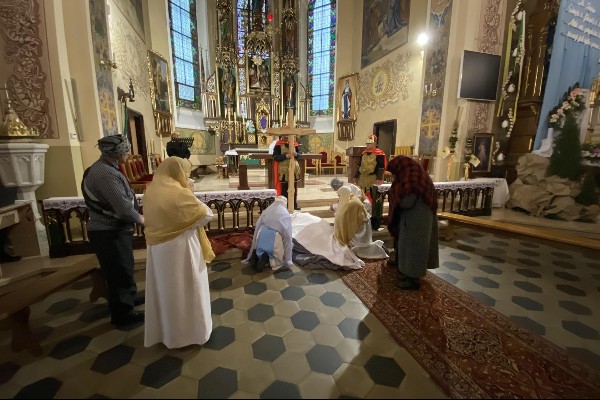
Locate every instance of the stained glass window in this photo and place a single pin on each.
(321, 55)
(184, 40)
(242, 28)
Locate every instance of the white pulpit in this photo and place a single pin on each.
(22, 166)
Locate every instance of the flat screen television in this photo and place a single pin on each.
(479, 74)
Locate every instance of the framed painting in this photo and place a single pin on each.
(483, 145)
(347, 96)
(160, 83)
(385, 28)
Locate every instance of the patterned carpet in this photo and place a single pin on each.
(469, 349)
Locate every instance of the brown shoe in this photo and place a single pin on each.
(409, 283)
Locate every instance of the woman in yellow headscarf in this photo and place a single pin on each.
(352, 226)
(177, 291)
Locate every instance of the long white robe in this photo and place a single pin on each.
(177, 291)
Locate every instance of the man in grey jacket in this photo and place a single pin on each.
(113, 211)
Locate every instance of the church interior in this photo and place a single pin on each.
(495, 99)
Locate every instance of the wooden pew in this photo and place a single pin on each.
(15, 305)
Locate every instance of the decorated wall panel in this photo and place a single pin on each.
(204, 142)
(316, 143)
(104, 81)
(25, 64)
(385, 83)
(436, 58)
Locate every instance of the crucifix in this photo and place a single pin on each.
(291, 132)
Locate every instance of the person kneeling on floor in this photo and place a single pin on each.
(272, 240)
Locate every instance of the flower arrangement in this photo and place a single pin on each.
(572, 101)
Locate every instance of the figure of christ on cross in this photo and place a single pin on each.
(291, 132)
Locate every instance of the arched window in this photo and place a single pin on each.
(321, 55)
(184, 40)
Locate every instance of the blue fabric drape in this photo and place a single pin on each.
(571, 61)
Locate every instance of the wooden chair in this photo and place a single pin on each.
(327, 162)
(340, 162)
(404, 150)
(312, 165)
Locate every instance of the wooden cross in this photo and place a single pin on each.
(289, 130)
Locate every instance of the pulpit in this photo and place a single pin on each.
(269, 166)
(354, 153)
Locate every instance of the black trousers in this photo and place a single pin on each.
(114, 250)
(284, 192)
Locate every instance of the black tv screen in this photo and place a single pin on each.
(479, 74)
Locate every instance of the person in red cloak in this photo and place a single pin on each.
(370, 171)
(281, 165)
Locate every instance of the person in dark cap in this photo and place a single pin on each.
(113, 211)
(177, 147)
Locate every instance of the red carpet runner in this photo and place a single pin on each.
(469, 349)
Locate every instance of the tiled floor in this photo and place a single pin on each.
(300, 333)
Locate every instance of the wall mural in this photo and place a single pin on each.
(385, 83)
(435, 75)
(384, 28)
(133, 12)
(104, 82)
(129, 49)
(204, 142)
(20, 22)
(316, 143)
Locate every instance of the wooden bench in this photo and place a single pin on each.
(541, 233)
(15, 305)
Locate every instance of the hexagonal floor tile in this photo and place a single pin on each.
(499, 243)
(7, 371)
(283, 273)
(268, 348)
(574, 307)
(294, 293)
(530, 324)
(486, 282)
(218, 384)
(332, 299)
(453, 266)
(249, 270)
(317, 278)
(527, 303)
(255, 288)
(447, 277)
(465, 247)
(528, 273)
(354, 329)
(70, 346)
(564, 264)
(221, 306)
(161, 372)
(281, 390)
(581, 330)
(385, 371)
(529, 253)
(561, 255)
(482, 297)
(494, 259)
(220, 284)
(261, 312)
(567, 276)
(528, 286)
(324, 359)
(62, 306)
(221, 337)
(573, 291)
(95, 313)
(43, 389)
(113, 359)
(584, 355)
(305, 320)
(490, 270)
(220, 266)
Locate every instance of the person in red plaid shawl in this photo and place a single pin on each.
(413, 221)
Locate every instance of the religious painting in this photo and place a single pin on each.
(204, 141)
(259, 74)
(160, 83)
(483, 145)
(134, 14)
(347, 97)
(227, 86)
(385, 28)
